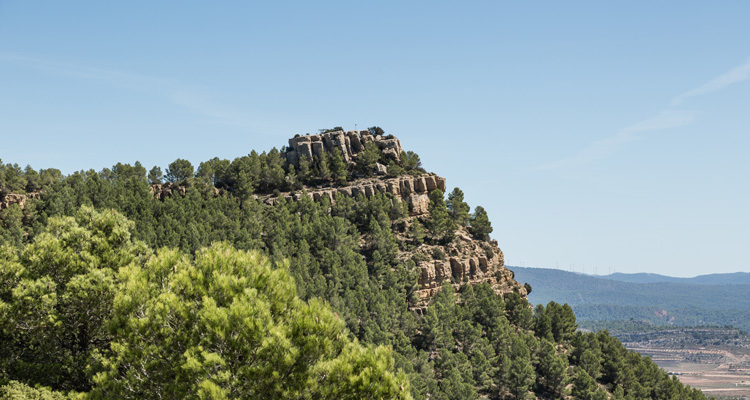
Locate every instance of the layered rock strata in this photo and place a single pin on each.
(466, 260)
(349, 143)
(414, 190)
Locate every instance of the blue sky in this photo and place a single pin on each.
(599, 136)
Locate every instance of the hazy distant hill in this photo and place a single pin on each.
(654, 298)
(711, 279)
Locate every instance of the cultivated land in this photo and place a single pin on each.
(715, 360)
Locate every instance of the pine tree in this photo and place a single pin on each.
(367, 158)
(551, 370)
(179, 170)
(584, 386)
(155, 175)
(59, 295)
(416, 232)
(521, 374)
(440, 223)
(338, 167)
(199, 330)
(457, 207)
(480, 225)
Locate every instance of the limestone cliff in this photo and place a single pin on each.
(414, 190)
(464, 260)
(350, 143)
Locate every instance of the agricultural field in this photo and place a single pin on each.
(713, 359)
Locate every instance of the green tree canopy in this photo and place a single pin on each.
(368, 158)
(57, 296)
(457, 207)
(440, 223)
(155, 175)
(179, 170)
(230, 325)
(480, 225)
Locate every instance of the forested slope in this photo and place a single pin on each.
(111, 291)
(681, 303)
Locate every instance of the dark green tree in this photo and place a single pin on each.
(521, 374)
(338, 167)
(305, 169)
(367, 159)
(440, 223)
(551, 370)
(584, 386)
(542, 324)
(480, 225)
(416, 232)
(457, 207)
(411, 162)
(214, 171)
(179, 170)
(14, 179)
(376, 130)
(562, 320)
(155, 175)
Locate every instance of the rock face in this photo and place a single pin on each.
(466, 260)
(414, 190)
(163, 190)
(15, 198)
(349, 143)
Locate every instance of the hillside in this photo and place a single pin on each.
(736, 278)
(334, 268)
(681, 302)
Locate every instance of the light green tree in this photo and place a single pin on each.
(57, 296)
(230, 325)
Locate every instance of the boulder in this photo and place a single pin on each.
(380, 169)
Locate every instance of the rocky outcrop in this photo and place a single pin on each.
(16, 198)
(414, 190)
(163, 190)
(466, 260)
(349, 143)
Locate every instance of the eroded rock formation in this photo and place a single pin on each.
(415, 190)
(350, 143)
(465, 260)
(16, 198)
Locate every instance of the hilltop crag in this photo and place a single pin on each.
(464, 260)
(350, 143)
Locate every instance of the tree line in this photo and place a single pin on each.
(109, 292)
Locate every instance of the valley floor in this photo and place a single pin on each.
(724, 373)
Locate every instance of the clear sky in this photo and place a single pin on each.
(599, 136)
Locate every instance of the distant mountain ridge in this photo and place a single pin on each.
(736, 278)
(654, 298)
